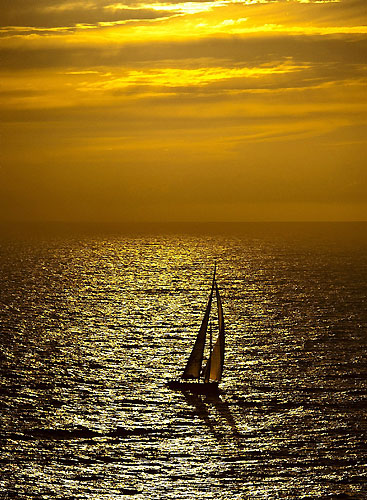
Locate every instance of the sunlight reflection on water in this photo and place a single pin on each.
(93, 326)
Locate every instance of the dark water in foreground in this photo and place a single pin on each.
(92, 323)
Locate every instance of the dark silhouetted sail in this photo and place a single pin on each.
(193, 367)
(190, 379)
(214, 367)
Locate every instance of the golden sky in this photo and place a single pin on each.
(199, 110)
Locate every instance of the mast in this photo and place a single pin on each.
(193, 366)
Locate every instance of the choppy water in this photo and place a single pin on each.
(92, 325)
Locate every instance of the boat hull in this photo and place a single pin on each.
(195, 387)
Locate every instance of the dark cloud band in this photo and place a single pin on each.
(348, 49)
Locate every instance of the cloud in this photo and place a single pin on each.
(44, 15)
(348, 49)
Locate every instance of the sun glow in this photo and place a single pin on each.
(182, 7)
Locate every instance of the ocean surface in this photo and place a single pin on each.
(94, 320)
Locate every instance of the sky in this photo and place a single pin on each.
(210, 110)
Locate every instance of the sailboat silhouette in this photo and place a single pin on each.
(194, 378)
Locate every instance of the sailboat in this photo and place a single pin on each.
(195, 378)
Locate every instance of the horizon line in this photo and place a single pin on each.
(140, 222)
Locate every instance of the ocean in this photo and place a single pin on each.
(94, 320)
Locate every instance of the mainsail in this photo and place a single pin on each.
(214, 367)
(193, 366)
